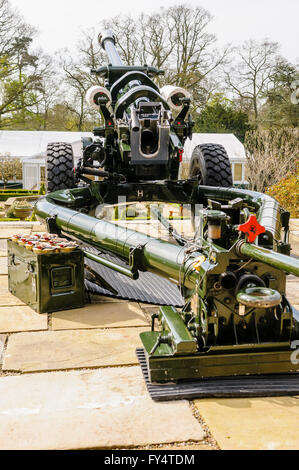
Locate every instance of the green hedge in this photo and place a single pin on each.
(7, 193)
(6, 219)
(11, 190)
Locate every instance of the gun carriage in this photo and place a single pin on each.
(236, 319)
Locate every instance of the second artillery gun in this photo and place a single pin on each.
(237, 320)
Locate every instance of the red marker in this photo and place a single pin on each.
(251, 228)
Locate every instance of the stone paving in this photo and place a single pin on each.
(2, 343)
(253, 423)
(21, 318)
(72, 349)
(89, 409)
(77, 370)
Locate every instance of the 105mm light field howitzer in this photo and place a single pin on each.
(236, 320)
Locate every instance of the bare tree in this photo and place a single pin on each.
(193, 55)
(250, 75)
(127, 33)
(49, 97)
(11, 25)
(76, 81)
(174, 39)
(271, 155)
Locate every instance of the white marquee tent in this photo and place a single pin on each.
(30, 147)
(24, 144)
(234, 148)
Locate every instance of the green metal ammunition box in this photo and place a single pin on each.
(46, 282)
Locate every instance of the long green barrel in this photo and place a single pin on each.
(157, 256)
(276, 260)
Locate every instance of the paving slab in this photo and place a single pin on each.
(16, 224)
(294, 224)
(182, 447)
(292, 291)
(103, 409)
(98, 299)
(252, 423)
(106, 315)
(71, 349)
(3, 245)
(7, 299)
(3, 265)
(3, 283)
(39, 227)
(294, 241)
(21, 318)
(2, 342)
(150, 308)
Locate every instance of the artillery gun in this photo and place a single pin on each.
(143, 133)
(236, 320)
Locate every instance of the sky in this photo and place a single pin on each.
(60, 21)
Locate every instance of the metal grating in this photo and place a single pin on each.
(148, 288)
(221, 387)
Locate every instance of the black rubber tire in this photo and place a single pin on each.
(211, 166)
(59, 167)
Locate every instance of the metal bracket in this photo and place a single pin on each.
(52, 225)
(155, 316)
(136, 258)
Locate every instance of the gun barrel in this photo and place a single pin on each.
(107, 41)
(272, 258)
(159, 256)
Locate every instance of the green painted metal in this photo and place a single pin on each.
(120, 241)
(214, 316)
(110, 265)
(277, 260)
(217, 332)
(198, 366)
(180, 339)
